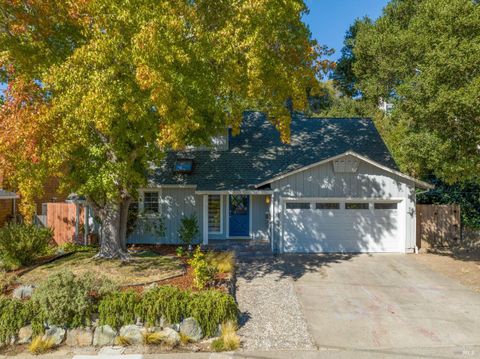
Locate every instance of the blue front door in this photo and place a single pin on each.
(239, 222)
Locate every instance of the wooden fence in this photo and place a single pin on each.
(61, 217)
(438, 226)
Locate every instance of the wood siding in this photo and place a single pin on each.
(369, 182)
(179, 202)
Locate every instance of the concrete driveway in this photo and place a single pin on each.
(383, 302)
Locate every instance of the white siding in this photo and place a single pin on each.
(368, 182)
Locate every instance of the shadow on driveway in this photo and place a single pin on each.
(292, 266)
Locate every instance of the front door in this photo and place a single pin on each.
(239, 216)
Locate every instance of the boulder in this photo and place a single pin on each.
(133, 332)
(190, 328)
(104, 335)
(171, 336)
(79, 337)
(25, 335)
(23, 292)
(58, 334)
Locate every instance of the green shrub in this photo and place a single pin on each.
(21, 244)
(189, 229)
(165, 301)
(203, 271)
(210, 308)
(66, 300)
(14, 314)
(76, 248)
(118, 309)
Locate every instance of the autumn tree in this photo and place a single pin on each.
(118, 83)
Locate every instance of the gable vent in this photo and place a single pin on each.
(345, 165)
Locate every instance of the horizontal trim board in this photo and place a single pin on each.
(342, 199)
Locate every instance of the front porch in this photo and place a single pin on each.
(239, 220)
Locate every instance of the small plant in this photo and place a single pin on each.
(180, 251)
(123, 341)
(118, 309)
(155, 338)
(185, 339)
(189, 230)
(203, 272)
(21, 244)
(224, 262)
(40, 345)
(229, 339)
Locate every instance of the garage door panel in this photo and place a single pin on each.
(341, 230)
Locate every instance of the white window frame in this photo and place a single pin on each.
(141, 202)
(221, 214)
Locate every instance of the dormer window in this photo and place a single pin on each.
(183, 166)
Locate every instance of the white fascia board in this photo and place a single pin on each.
(252, 192)
(155, 187)
(418, 183)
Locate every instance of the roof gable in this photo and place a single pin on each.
(418, 183)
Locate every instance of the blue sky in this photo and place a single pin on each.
(330, 19)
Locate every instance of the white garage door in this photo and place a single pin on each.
(354, 226)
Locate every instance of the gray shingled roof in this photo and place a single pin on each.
(257, 154)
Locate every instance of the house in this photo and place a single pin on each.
(334, 188)
(8, 206)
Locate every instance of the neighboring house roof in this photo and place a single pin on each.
(257, 154)
(8, 195)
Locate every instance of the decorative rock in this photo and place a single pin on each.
(191, 329)
(79, 337)
(133, 332)
(171, 336)
(23, 292)
(58, 334)
(175, 327)
(104, 335)
(25, 335)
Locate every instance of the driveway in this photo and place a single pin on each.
(367, 302)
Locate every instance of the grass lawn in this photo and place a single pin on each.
(145, 267)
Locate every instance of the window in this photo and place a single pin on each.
(298, 205)
(385, 206)
(150, 202)
(184, 166)
(327, 205)
(214, 213)
(356, 205)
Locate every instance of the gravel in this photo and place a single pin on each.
(272, 318)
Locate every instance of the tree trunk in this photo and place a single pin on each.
(113, 242)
